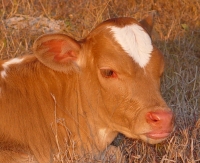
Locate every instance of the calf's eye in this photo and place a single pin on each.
(108, 73)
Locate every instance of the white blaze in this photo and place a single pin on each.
(135, 41)
(8, 63)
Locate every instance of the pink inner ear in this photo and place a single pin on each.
(61, 50)
(69, 55)
(54, 45)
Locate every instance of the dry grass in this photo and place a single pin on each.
(176, 33)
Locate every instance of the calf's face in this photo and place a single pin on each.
(118, 63)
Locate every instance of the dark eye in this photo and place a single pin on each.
(108, 73)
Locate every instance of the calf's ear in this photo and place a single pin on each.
(58, 52)
(147, 23)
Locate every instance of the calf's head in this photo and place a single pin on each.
(119, 70)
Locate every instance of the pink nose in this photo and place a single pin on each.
(160, 120)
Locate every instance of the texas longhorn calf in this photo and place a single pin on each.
(78, 95)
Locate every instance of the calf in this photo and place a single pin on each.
(76, 96)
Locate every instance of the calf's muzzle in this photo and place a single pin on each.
(161, 123)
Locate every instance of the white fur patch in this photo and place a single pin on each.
(8, 63)
(102, 133)
(135, 41)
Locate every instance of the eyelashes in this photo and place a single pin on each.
(108, 73)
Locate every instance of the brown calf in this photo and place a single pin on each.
(76, 96)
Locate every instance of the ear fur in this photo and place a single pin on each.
(57, 51)
(147, 23)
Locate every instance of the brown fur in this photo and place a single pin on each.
(57, 100)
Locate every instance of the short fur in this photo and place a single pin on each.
(57, 100)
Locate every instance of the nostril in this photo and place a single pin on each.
(157, 117)
(152, 117)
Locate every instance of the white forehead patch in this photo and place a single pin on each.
(135, 41)
(8, 63)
